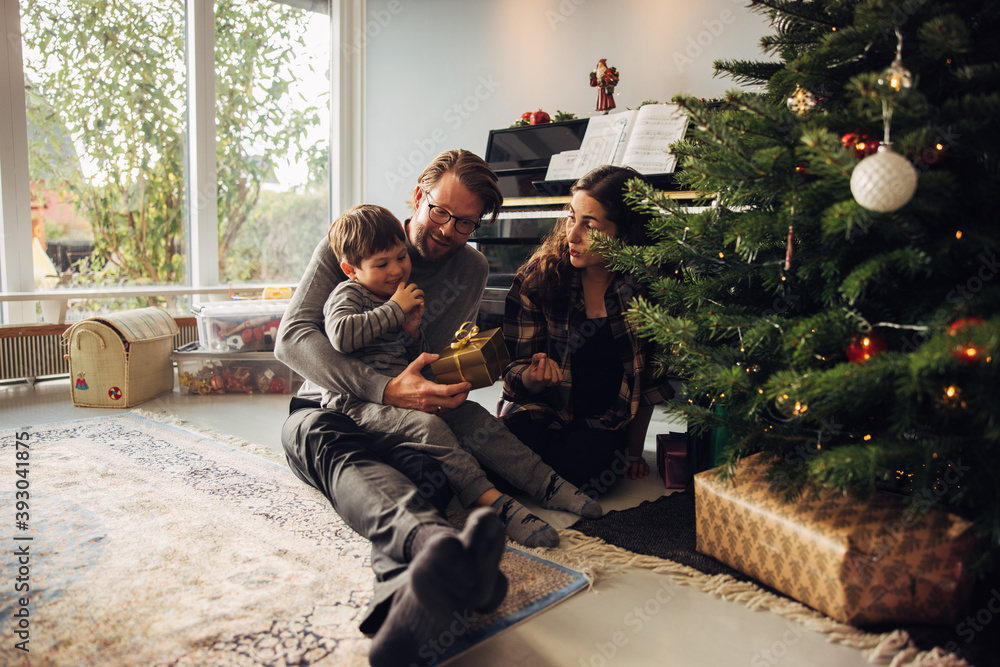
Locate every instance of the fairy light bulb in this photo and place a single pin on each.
(864, 347)
(896, 76)
(952, 398)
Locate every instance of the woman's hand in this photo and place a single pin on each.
(637, 467)
(541, 374)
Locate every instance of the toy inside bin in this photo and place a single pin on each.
(203, 372)
(239, 326)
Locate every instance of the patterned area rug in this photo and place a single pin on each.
(147, 544)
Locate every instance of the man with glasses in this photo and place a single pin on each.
(426, 571)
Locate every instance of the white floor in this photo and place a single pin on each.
(634, 619)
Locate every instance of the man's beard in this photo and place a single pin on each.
(432, 252)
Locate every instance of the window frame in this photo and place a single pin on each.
(346, 154)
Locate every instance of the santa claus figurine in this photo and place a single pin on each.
(605, 79)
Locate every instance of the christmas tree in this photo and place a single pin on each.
(835, 307)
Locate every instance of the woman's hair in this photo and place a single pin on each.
(606, 185)
(364, 231)
(471, 171)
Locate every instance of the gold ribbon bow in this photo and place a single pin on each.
(464, 335)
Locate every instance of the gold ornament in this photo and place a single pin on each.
(896, 76)
(801, 102)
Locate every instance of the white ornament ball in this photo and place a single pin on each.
(884, 182)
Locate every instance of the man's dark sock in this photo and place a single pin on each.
(484, 542)
(421, 535)
(450, 576)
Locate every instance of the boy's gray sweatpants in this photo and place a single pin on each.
(463, 440)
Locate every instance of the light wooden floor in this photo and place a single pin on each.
(632, 619)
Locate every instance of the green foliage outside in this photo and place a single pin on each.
(112, 76)
(761, 345)
(280, 236)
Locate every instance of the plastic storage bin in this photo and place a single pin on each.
(239, 326)
(204, 372)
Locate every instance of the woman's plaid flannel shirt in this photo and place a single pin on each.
(560, 328)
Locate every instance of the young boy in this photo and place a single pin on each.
(375, 315)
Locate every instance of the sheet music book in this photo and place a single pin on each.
(562, 166)
(647, 148)
(604, 141)
(637, 138)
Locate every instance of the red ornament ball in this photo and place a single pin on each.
(538, 117)
(958, 325)
(861, 143)
(865, 346)
(930, 155)
(965, 349)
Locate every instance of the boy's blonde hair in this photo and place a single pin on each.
(364, 231)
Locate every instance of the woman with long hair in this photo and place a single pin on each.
(579, 390)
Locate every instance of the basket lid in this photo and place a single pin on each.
(137, 325)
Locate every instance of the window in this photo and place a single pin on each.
(106, 91)
(106, 105)
(272, 97)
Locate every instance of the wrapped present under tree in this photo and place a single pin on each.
(859, 562)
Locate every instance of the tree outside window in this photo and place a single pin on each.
(107, 99)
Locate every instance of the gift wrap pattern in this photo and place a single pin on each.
(474, 357)
(859, 562)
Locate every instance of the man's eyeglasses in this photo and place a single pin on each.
(441, 216)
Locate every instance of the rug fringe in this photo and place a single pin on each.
(895, 648)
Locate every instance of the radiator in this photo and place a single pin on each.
(27, 355)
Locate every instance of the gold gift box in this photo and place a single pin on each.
(474, 357)
(857, 562)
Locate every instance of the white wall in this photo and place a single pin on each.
(441, 74)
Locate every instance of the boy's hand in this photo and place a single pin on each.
(411, 324)
(408, 297)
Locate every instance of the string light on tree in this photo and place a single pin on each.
(896, 76)
(862, 143)
(965, 349)
(789, 407)
(865, 346)
(951, 398)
